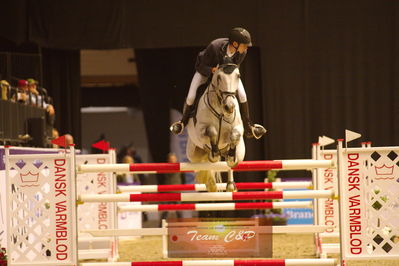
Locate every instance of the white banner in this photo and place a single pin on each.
(369, 202)
(41, 208)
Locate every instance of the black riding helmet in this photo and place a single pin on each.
(240, 35)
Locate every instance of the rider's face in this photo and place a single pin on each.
(242, 48)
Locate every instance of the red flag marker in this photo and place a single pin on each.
(101, 145)
(61, 141)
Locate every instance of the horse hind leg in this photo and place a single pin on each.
(207, 178)
(218, 179)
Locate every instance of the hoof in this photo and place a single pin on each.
(213, 158)
(231, 187)
(231, 161)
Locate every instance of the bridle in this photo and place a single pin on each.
(222, 96)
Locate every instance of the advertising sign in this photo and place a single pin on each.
(219, 238)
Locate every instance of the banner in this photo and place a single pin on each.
(217, 238)
(297, 215)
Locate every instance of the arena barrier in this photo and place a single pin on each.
(368, 206)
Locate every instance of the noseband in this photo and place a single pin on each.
(222, 96)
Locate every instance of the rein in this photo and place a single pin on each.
(219, 116)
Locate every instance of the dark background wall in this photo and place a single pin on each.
(318, 66)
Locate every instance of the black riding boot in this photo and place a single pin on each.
(250, 130)
(178, 127)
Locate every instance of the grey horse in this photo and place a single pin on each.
(217, 129)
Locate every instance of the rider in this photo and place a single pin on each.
(234, 50)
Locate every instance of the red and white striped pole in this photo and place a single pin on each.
(260, 262)
(207, 196)
(215, 206)
(154, 168)
(220, 186)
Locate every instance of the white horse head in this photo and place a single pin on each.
(225, 84)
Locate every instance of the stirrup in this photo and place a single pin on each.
(258, 131)
(177, 127)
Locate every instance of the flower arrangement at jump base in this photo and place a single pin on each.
(3, 257)
(276, 215)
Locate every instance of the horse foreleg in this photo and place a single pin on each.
(231, 185)
(235, 136)
(212, 134)
(194, 153)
